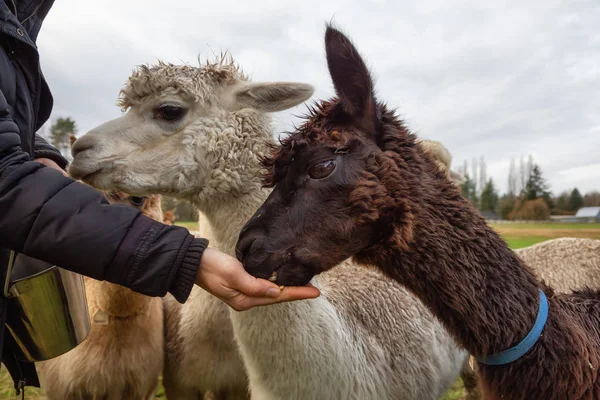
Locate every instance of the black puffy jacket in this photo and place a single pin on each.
(56, 219)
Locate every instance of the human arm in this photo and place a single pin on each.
(49, 216)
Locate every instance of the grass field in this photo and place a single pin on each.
(192, 226)
(516, 235)
(523, 235)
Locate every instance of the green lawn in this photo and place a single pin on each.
(189, 225)
(516, 236)
(517, 243)
(550, 225)
(523, 235)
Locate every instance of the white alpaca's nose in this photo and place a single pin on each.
(82, 144)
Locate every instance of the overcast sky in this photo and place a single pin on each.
(498, 79)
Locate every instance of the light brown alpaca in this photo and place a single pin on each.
(123, 355)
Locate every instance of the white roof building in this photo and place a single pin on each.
(588, 212)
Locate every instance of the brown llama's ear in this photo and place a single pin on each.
(351, 80)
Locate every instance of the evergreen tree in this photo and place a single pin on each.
(469, 190)
(575, 200)
(489, 197)
(537, 187)
(60, 132)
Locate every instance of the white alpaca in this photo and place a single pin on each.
(198, 134)
(123, 356)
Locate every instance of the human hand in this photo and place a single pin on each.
(224, 277)
(49, 163)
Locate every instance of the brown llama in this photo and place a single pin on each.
(352, 181)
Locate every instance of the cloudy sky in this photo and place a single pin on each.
(486, 78)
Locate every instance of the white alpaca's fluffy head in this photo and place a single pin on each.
(187, 131)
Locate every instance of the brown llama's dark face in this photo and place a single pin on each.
(336, 192)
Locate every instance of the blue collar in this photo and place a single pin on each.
(514, 353)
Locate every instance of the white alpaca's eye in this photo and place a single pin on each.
(168, 112)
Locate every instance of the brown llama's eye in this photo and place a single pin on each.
(168, 112)
(322, 170)
(137, 201)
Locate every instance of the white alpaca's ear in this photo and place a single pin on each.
(272, 96)
(458, 178)
(442, 157)
(438, 150)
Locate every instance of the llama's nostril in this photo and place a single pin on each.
(243, 247)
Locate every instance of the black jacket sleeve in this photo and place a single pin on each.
(43, 149)
(58, 220)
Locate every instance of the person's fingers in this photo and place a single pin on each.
(51, 164)
(289, 293)
(256, 287)
(245, 283)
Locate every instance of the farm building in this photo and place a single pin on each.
(588, 214)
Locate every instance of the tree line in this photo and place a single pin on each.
(528, 197)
